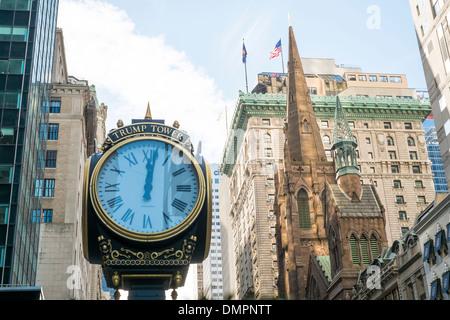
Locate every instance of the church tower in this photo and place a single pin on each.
(306, 172)
(344, 146)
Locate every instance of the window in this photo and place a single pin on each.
(312, 91)
(437, 6)
(408, 125)
(326, 140)
(396, 79)
(47, 215)
(267, 138)
(270, 182)
(303, 210)
(383, 79)
(413, 155)
(416, 169)
(271, 198)
(421, 200)
(351, 77)
(266, 122)
(402, 215)
(374, 249)
(268, 152)
(392, 155)
(364, 251)
(366, 125)
(54, 106)
(370, 154)
(2, 256)
(372, 169)
(367, 140)
(395, 169)
(411, 142)
(351, 124)
(354, 250)
(50, 159)
(6, 174)
(362, 78)
(399, 200)
(44, 188)
(390, 141)
(397, 184)
(36, 216)
(387, 125)
(324, 124)
(50, 131)
(4, 209)
(373, 78)
(328, 153)
(404, 230)
(418, 184)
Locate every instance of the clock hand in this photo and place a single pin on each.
(150, 166)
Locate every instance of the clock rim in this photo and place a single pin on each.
(141, 236)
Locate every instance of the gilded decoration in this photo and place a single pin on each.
(170, 256)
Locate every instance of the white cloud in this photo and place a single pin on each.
(130, 69)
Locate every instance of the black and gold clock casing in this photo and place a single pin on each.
(147, 206)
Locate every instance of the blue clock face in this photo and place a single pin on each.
(148, 186)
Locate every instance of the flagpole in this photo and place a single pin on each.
(245, 65)
(282, 60)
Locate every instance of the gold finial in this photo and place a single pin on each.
(119, 124)
(176, 124)
(148, 115)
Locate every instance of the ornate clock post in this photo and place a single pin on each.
(147, 208)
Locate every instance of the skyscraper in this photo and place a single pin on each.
(27, 32)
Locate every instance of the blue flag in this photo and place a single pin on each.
(244, 53)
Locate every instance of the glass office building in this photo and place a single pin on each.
(27, 32)
(434, 152)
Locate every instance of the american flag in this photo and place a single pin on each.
(276, 52)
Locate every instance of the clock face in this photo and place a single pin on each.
(148, 186)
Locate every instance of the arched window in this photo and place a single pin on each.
(354, 250)
(411, 142)
(267, 138)
(364, 250)
(305, 126)
(304, 216)
(374, 247)
(390, 141)
(326, 140)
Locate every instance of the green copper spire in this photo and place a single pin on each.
(344, 144)
(342, 130)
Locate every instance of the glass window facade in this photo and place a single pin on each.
(434, 153)
(27, 32)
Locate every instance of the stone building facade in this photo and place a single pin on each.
(71, 134)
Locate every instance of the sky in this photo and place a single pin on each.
(185, 57)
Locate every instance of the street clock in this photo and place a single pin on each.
(147, 206)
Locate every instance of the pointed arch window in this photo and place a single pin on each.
(326, 139)
(305, 126)
(354, 250)
(267, 138)
(374, 247)
(364, 250)
(411, 142)
(304, 216)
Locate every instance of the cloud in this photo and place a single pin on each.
(130, 69)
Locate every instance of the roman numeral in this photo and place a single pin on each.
(117, 170)
(112, 187)
(178, 204)
(166, 220)
(115, 203)
(178, 172)
(147, 222)
(128, 216)
(131, 159)
(184, 188)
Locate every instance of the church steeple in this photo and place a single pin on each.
(303, 136)
(344, 145)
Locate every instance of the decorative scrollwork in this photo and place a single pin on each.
(127, 256)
